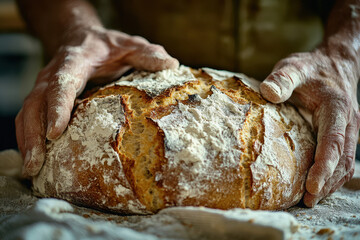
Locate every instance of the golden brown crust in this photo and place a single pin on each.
(153, 183)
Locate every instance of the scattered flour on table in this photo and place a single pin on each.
(335, 217)
(23, 216)
(58, 219)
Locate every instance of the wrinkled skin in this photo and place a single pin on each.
(101, 54)
(326, 86)
(324, 82)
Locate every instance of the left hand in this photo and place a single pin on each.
(324, 82)
(89, 54)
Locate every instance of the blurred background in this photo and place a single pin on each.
(21, 58)
(20, 61)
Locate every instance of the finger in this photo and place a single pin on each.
(331, 185)
(34, 131)
(344, 170)
(333, 133)
(280, 84)
(63, 89)
(19, 123)
(151, 57)
(311, 200)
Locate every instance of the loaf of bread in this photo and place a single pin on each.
(180, 137)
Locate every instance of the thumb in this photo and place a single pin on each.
(151, 57)
(280, 84)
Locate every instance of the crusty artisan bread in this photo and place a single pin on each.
(179, 137)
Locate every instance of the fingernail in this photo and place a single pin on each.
(274, 87)
(271, 91)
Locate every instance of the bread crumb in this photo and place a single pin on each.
(324, 231)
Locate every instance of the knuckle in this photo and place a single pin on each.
(132, 41)
(341, 101)
(346, 101)
(336, 137)
(342, 104)
(335, 141)
(156, 48)
(296, 60)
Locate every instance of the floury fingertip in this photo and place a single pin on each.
(314, 186)
(311, 200)
(271, 91)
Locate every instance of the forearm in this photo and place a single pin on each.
(58, 22)
(342, 34)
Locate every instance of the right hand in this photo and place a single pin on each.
(97, 54)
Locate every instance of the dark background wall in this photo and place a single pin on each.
(20, 60)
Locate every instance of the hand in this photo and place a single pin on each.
(324, 82)
(95, 54)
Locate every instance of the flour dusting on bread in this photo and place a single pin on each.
(90, 140)
(156, 83)
(197, 135)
